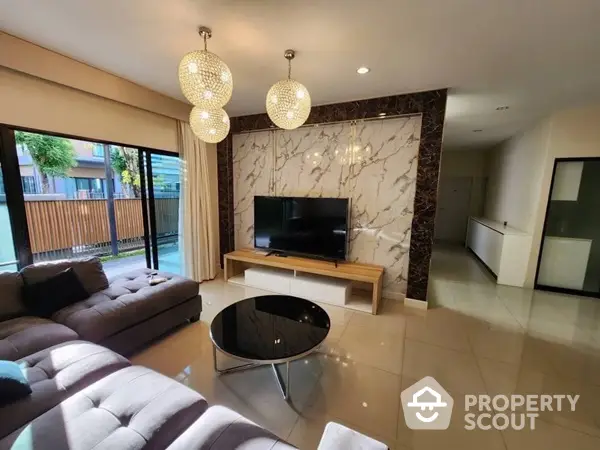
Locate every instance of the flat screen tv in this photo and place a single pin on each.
(314, 227)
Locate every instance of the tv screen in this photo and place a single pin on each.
(316, 227)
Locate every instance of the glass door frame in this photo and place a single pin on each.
(149, 203)
(14, 197)
(544, 287)
(9, 162)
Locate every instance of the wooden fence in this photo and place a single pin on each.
(67, 224)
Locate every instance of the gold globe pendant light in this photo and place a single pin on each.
(205, 79)
(210, 125)
(288, 101)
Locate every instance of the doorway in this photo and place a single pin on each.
(454, 204)
(570, 249)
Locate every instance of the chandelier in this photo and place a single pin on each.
(210, 125)
(204, 78)
(288, 101)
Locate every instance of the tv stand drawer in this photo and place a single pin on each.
(328, 290)
(269, 279)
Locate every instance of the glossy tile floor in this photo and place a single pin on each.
(479, 338)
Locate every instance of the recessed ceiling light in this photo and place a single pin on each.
(502, 108)
(477, 131)
(363, 70)
(381, 114)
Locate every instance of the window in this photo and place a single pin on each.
(29, 185)
(98, 150)
(94, 187)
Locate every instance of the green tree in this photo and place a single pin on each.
(124, 161)
(53, 156)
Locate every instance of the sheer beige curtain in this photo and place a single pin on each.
(199, 215)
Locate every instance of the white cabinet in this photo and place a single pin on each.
(504, 250)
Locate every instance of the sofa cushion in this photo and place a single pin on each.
(128, 300)
(46, 297)
(55, 374)
(88, 270)
(13, 384)
(26, 335)
(220, 428)
(11, 303)
(131, 409)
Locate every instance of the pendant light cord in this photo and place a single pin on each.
(289, 69)
(205, 46)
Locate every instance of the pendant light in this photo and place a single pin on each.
(210, 125)
(288, 101)
(204, 78)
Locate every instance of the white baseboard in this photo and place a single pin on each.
(393, 295)
(417, 304)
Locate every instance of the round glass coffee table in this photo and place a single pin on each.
(269, 329)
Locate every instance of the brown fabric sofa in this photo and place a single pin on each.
(85, 396)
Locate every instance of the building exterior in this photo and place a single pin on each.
(86, 180)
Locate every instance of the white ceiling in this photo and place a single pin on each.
(532, 55)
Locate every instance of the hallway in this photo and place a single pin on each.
(526, 342)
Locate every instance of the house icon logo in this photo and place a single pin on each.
(427, 405)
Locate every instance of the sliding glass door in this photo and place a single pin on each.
(570, 254)
(163, 172)
(63, 197)
(8, 257)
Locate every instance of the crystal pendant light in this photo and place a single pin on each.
(210, 125)
(204, 78)
(288, 101)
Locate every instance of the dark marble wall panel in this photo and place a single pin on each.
(225, 184)
(431, 105)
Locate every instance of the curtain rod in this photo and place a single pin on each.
(316, 125)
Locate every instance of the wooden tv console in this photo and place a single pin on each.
(237, 261)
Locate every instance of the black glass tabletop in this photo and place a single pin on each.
(270, 328)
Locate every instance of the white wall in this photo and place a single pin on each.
(44, 90)
(514, 185)
(31, 102)
(27, 58)
(521, 170)
(574, 133)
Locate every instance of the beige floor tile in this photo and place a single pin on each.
(255, 392)
(483, 338)
(585, 418)
(391, 317)
(455, 437)
(499, 343)
(358, 394)
(549, 437)
(502, 378)
(455, 371)
(441, 327)
(377, 347)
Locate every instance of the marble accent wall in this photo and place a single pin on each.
(431, 105)
(309, 162)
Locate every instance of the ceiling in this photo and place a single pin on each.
(534, 56)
